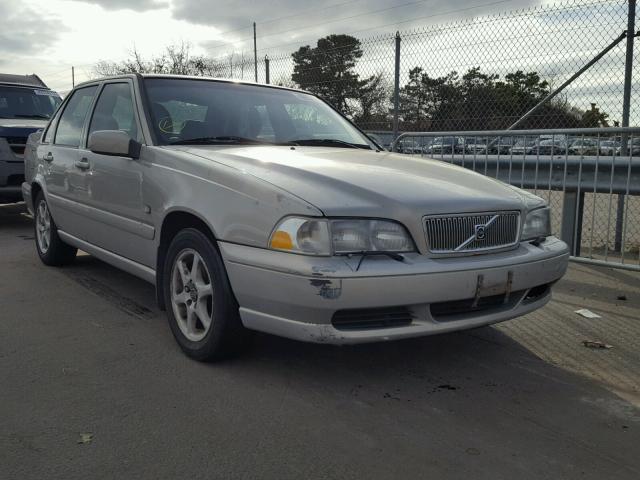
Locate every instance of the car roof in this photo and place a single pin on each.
(188, 77)
(22, 80)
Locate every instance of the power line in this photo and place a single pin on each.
(449, 12)
(286, 17)
(307, 27)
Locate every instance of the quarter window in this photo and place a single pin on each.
(114, 110)
(69, 130)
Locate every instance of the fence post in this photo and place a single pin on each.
(626, 103)
(266, 69)
(396, 88)
(255, 53)
(571, 226)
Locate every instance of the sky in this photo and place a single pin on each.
(47, 37)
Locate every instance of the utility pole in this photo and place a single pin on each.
(73, 77)
(626, 104)
(255, 53)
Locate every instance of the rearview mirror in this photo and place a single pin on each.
(114, 142)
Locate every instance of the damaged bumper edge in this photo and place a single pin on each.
(296, 296)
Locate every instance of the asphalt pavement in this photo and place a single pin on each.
(93, 386)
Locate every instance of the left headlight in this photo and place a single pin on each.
(321, 236)
(537, 224)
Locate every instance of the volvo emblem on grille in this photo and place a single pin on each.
(481, 232)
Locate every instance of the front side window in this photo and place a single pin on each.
(200, 111)
(23, 102)
(114, 110)
(69, 132)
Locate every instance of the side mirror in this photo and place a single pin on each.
(114, 142)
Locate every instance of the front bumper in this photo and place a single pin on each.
(11, 173)
(297, 296)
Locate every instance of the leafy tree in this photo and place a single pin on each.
(476, 100)
(481, 101)
(425, 100)
(594, 118)
(328, 70)
(373, 103)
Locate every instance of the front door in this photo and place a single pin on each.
(120, 223)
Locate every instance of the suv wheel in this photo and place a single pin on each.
(202, 311)
(51, 250)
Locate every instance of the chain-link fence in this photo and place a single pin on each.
(478, 74)
(592, 188)
(484, 74)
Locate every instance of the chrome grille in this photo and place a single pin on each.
(458, 233)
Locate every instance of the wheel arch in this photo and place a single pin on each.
(36, 188)
(173, 222)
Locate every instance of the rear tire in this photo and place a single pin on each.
(51, 249)
(201, 308)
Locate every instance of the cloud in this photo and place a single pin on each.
(136, 5)
(281, 21)
(26, 31)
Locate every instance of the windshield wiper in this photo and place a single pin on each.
(329, 142)
(220, 140)
(31, 115)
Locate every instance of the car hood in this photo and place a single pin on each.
(354, 182)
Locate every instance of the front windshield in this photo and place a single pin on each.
(24, 102)
(211, 112)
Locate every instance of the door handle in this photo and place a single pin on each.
(82, 164)
(48, 157)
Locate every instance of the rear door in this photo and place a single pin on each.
(119, 221)
(65, 179)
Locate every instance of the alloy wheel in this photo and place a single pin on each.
(43, 227)
(192, 295)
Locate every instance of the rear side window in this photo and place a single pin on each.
(114, 110)
(69, 130)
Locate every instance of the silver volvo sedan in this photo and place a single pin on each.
(258, 207)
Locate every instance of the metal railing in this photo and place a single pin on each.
(589, 176)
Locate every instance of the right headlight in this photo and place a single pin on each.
(537, 224)
(322, 236)
(363, 235)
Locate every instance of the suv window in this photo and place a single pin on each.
(114, 110)
(69, 130)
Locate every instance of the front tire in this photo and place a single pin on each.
(201, 309)
(51, 249)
